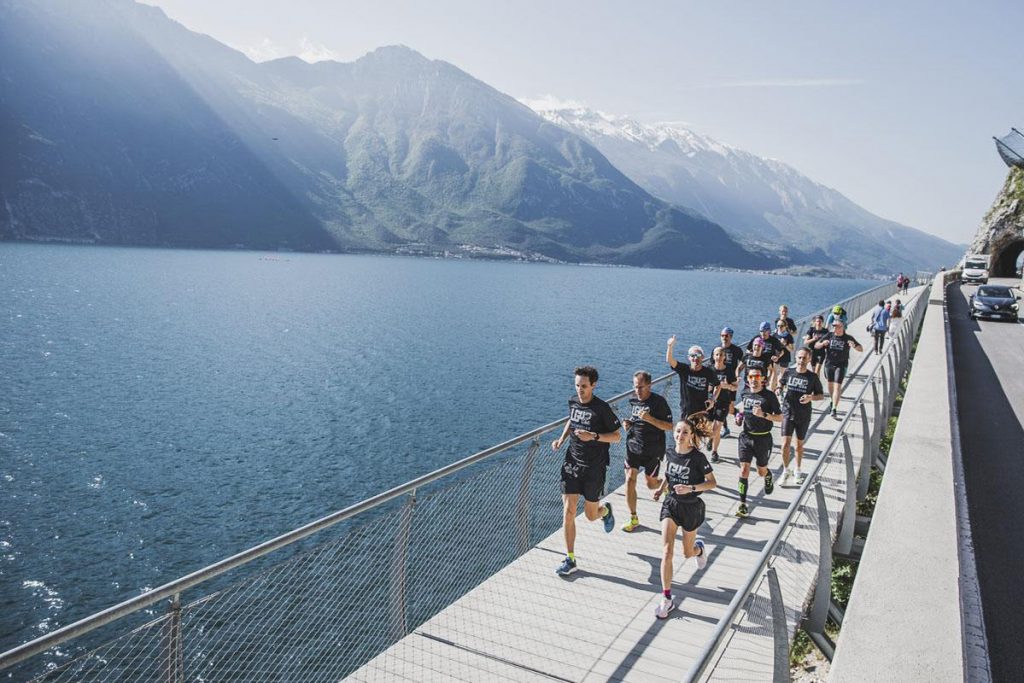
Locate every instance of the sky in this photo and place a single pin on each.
(894, 104)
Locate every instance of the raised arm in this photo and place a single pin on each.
(669, 358)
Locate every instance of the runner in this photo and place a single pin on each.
(837, 313)
(760, 408)
(785, 339)
(591, 427)
(784, 316)
(772, 346)
(802, 386)
(897, 314)
(837, 357)
(687, 475)
(757, 359)
(649, 419)
(814, 335)
(733, 358)
(724, 398)
(696, 382)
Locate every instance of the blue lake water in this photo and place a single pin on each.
(162, 409)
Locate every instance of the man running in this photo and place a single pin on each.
(760, 408)
(772, 346)
(837, 356)
(591, 427)
(814, 335)
(733, 357)
(801, 386)
(696, 382)
(837, 313)
(724, 397)
(786, 341)
(649, 419)
(687, 475)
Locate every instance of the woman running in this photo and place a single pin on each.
(687, 474)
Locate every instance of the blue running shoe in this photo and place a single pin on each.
(567, 567)
(609, 519)
(725, 430)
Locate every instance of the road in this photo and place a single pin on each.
(989, 372)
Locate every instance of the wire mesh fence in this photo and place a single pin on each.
(327, 606)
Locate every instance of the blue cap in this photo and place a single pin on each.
(766, 326)
(726, 330)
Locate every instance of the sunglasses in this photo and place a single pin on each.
(695, 355)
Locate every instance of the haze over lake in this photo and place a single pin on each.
(162, 409)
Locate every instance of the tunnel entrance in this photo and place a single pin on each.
(1004, 258)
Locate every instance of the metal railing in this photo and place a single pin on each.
(378, 569)
(835, 528)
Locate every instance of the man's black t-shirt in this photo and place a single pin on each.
(768, 402)
(595, 416)
(772, 345)
(642, 438)
(733, 354)
(837, 354)
(728, 376)
(813, 337)
(784, 340)
(798, 384)
(694, 386)
(752, 362)
(688, 469)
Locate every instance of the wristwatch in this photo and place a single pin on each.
(693, 489)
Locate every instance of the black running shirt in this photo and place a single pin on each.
(769, 403)
(733, 354)
(728, 376)
(688, 469)
(642, 438)
(694, 386)
(595, 416)
(783, 339)
(797, 384)
(750, 361)
(790, 325)
(837, 354)
(813, 337)
(772, 345)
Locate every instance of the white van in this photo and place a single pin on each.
(975, 269)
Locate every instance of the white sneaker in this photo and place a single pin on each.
(702, 559)
(787, 474)
(800, 476)
(664, 607)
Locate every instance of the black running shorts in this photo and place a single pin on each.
(835, 373)
(797, 424)
(720, 413)
(755, 447)
(688, 515)
(650, 464)
(588, 481)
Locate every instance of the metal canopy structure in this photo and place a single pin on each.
(1011, 148)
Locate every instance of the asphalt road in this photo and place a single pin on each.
(989, 369)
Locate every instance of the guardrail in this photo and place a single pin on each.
(889, 368)
(406, 554)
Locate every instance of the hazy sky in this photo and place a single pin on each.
(892, 102)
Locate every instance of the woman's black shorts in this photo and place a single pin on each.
(689, 515)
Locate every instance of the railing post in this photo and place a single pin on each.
(814, 624)
(894, 385)
(780, 631)
(174, 663)
(877, 410)
(867, 458)
(523, 500)
(400, 569)
(844, 537)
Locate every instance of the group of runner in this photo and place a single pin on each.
(771, 391)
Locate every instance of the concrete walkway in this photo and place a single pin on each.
(525, 623)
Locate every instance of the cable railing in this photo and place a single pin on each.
(354, 582)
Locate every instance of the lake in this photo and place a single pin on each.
(162, 409)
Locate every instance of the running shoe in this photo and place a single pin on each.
(725, 430)
(741, 511)
(835, 414)
(702, 557)
(714, 456)
(631, 524)
(567, 567)
(787, 475)
(609, 519)
(769, 482)
(664, 607)
(800, 476)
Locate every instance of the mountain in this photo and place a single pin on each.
(762, 202)
(126, 128)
